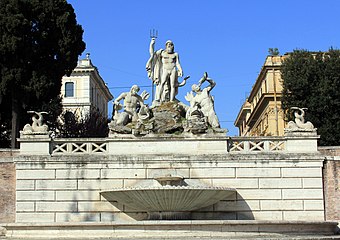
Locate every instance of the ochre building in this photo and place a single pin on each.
(261, 113)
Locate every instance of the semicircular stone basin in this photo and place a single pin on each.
(167, 198)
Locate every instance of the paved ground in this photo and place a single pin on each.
(282, 237)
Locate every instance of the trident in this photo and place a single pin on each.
(153, 33)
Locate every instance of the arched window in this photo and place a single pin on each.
(69, 89)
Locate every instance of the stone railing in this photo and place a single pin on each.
(79, 146)
(234, 144)
(44, 145)
(256, 144)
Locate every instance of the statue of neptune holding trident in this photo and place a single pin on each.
(163, 69)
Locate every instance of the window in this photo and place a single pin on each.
(69, 89)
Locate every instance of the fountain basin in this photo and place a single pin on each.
(167, 198)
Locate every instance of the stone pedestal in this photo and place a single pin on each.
(35, 143)
(302, 140)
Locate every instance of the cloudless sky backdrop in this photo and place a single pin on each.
(227, 38)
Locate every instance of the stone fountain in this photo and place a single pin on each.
(168, 161)
(171, 198)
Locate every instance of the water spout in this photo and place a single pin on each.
(169, 180)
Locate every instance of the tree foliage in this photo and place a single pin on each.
(40, 42)
(90, 126)
(273, 52)
(312, 80)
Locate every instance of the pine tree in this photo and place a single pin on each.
(40, 42)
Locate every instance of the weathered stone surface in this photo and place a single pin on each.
(302, 194)
(312, 182)
(331, 173)
(2, 231)
(33, 217)
(168, 118)
(7, 192)
(35, 195)
(281, 205)
(36, 174)
(313, 205)
(258, 172)
(303, 215)
(226, 229)
(280, 183)
(257, 181)
(301, 172)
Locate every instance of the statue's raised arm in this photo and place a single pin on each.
(153, 65)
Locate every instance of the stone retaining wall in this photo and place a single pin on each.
(330, 150)
(269, 186)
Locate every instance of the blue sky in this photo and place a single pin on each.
(227, 38)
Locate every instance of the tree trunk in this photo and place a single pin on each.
(15, 121)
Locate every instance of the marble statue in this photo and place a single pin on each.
(167, 115)
(37, 127)
(299, 121)
(134, 107)
(163, 69)
(201, 101)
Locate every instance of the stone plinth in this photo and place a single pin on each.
(35, 143)
(301, 140)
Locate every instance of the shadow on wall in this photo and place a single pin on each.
(232, 208)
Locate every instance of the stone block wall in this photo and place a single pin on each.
(331, 173)
(269, 186)
(330, 150)
(7, 186)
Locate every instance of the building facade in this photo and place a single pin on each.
(261, 113)
(84, 91)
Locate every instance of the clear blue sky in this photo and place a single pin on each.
(227, 38)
